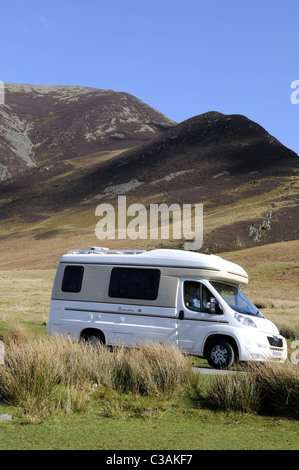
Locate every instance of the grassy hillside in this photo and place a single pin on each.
(37, 241)
(273, 279)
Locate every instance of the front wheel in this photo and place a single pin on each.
(220, 354)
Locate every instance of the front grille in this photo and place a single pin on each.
(274, 341)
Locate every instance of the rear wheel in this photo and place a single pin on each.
(220, 354)
(93, 338)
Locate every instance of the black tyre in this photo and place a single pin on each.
(220, 354)
(92, 338)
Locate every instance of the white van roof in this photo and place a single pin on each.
(160, 258)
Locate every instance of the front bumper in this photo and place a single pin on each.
(266, 347)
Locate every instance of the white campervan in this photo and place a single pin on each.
(166, 296)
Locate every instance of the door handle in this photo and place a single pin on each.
(181, 315)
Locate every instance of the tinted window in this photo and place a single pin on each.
(197, 296)
(72, 279)
(134, 283)
(192, 296)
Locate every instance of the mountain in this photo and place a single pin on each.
(245, 178)
(40, 125)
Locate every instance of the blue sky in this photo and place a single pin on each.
(182, 57)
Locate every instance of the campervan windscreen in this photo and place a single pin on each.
(235, 298)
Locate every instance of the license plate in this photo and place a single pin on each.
(276, 353)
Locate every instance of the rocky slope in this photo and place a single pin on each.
(44, 124)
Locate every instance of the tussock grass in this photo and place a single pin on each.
(267, 389)
(44, 375)
(274, 303)
(288, 330)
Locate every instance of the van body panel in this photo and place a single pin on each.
(95, 287)
(116, 321)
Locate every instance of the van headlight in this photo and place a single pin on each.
(245, 320)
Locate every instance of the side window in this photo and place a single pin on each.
(72, 279)
(134, 283)
(197, 297)
(192, 296)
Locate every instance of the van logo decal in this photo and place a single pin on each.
(121, 309)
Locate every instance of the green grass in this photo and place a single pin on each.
(172, 427)
(61, 399)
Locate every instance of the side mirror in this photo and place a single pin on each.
(213, 306)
